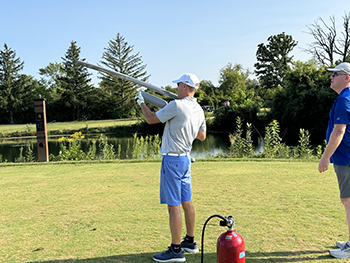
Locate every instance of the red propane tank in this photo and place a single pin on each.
(230, 248)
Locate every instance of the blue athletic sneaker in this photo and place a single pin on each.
(191, 248)
(170, 256)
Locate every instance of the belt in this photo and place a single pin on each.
(176, 154)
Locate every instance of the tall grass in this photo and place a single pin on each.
(148, 147)
(110, 212)
(139, 147)
(273, 147)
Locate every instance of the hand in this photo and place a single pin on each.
(323, 165)
(139, 98)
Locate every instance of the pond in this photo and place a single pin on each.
(214, 145)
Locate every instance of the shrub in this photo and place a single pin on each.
(70, 148)
(304, 144)
(107, 151)
(273, 146)
(241, 147)
(145, 147)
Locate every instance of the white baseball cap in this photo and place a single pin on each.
(345, 66)
(189, 79)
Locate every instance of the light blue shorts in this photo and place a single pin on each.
(175, 180)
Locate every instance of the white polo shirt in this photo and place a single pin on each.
(183, 120)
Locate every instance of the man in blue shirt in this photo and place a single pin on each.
(338, 145)
(184, 122)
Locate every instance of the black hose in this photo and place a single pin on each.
(202, 247)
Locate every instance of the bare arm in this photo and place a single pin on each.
(150, 116)
(201, 135)
(334, 141)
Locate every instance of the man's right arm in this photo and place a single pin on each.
(333, 143)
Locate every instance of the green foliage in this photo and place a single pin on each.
(91, 154)
(21, 158)
(304, 102)
(17, 91)
(51, 75)
(233, 86)
(70, 148)
(274, 148)
(10, 90)
(223, 116)
(320, 149)
(241, 147)
(274, 60)
(28, 157)
(304, 144)
(145, 147)
(118, 94)
(75, 87)
(272, 139)
(107, 151)
(299, 95)
(210, 97)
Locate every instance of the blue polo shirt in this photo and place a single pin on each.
(340, 114)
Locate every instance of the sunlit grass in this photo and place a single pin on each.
(110, 212)
(60, 126)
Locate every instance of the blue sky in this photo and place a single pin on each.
(173, 37)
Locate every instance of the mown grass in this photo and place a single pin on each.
(110, 212)
(64, 126)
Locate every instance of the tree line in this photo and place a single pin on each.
(295, 93)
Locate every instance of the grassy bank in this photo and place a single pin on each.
(15, 130)
(110, 212)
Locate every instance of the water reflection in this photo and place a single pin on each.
(214, 145)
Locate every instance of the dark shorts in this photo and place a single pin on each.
(343, 175)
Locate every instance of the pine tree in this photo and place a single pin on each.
(75, 87)
(11, 83)
(120, 93)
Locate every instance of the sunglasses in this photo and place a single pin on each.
(338, 74)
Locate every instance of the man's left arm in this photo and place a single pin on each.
(150, 116)
(201, 135)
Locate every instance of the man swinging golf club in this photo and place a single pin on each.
(184, 122)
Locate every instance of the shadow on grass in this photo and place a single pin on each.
(281, 256)
(288, 256)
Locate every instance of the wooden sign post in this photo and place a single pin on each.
(41, 130)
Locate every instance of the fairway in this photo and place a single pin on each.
(110, 212)
(66, 126)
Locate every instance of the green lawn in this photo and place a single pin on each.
(61, 126)
(110, 212)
